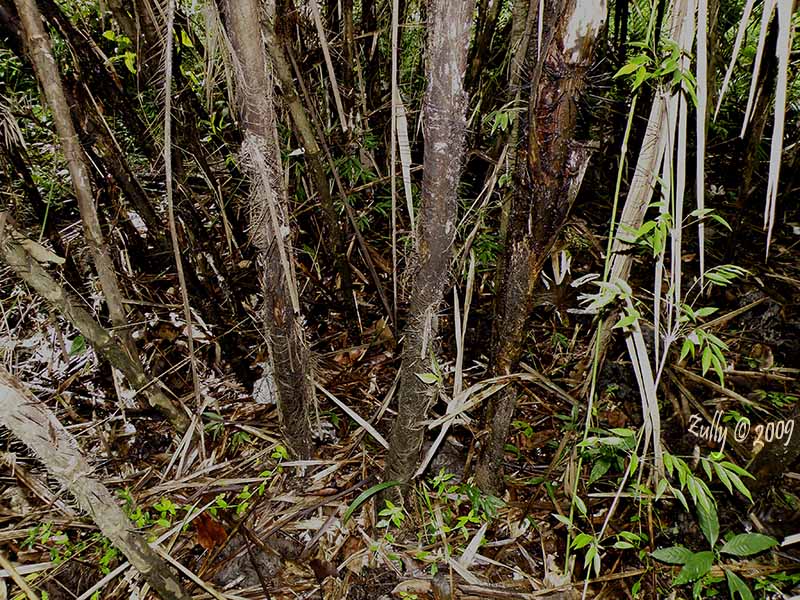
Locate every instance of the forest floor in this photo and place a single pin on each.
(232, 508)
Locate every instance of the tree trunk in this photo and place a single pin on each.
(288, 350)
(550, 166)
(38, 44)
(94, 129)
(445, 132)
(38, 428)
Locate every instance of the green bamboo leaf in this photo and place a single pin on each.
(674, 555)
(695, 567)
(706, 360)
(365, 495)
(581, 540)
(627, 320)
(428, 378)
(723, 477)
(747, 544)
(78, 346)
(739, 485)
(626, 70)
(729, 466)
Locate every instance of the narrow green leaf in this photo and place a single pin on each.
(707, 469)
(661, 487)
(581, 540)
(739, 485)
(634, 462)
(721, 221)
(626, 321)
(599, 469)
(581, 505)
(706, 360)
(736, 585)
(427, 378)
(626, 69)
(78, 346)
(365, 495)
(563, 519)
(736, 469)
(723, 477)
(639, 79)
(679, 495)
(709, 523)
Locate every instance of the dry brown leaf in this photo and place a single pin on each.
(322, 568)
(209, 533)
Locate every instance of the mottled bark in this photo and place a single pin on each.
(444, 114)
(288, 350)
(37, 427)
(38, 43)
(349, 52)
(522, 34)
(107, 345)
(549, 168)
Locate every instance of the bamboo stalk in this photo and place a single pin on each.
(37, 427)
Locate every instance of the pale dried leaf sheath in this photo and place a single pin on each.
(783, 50)
(743, 22)
(405, 155)
(700, 130)
(37, 427)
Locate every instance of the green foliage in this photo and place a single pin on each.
(696, 565)
(670, 69)
(94, 547)
(392, 515)
(608, 449)
(123, 51)
(78, 346)
(777, 399)
(366, 495)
